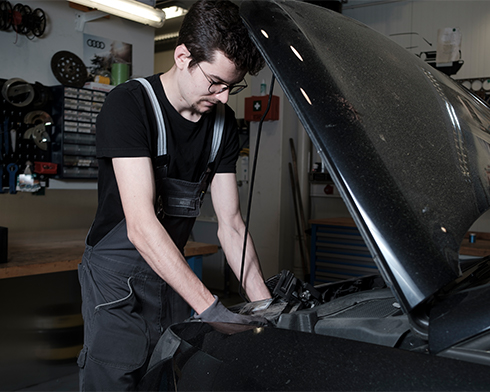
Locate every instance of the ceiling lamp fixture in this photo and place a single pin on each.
(128, 9)
(174, 12)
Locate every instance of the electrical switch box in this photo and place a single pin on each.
(255, 108)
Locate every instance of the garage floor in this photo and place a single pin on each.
(64, 376)
(68, 382)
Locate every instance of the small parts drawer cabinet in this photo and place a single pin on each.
(74, 113)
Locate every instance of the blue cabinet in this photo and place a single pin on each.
(338, 251)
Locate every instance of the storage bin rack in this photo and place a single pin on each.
(74, 113)
(338, 251)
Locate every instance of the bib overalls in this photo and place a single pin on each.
(126, 306)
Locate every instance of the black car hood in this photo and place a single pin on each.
(408, 148)
(207, 357)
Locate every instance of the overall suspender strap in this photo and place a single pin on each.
(162, 135)
(219, 123)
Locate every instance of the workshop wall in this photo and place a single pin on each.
(424, 18)
(164, 61)
(30, 59)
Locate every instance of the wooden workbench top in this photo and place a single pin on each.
(480, 248)
(34, 253)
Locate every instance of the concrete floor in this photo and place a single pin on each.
(63, 376)
(68, 382)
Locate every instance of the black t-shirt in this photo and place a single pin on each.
(126, 127)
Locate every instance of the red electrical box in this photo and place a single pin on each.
(45, 167)
(255, 108)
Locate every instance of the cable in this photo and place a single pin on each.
(252, 180)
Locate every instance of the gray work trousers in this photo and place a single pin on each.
(126, 307)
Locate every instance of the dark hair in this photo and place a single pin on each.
(212, 25)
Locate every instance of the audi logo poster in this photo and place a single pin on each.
(100, 53)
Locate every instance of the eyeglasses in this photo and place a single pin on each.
(219, 87)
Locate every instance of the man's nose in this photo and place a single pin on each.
(223, 96)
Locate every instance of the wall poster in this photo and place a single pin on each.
(99, 54)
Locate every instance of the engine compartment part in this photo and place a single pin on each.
(18, 92)
(68, 69)
(362, 309)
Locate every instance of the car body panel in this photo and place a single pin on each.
(407, 147)
(215, 357)
(409, 151)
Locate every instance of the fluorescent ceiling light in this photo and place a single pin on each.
(128, 9)
(174, 12)
(169, 36)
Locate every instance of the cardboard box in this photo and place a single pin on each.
(98, 87)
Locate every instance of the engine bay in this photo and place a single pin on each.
(361, 309)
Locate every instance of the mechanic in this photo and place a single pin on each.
(135, 281)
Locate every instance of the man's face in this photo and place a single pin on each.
(209, 83)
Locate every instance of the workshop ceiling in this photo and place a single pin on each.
(166, 36)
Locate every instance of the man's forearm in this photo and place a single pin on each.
(161, 254)
(253, 281)
(231, 232)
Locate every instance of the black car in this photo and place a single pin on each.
(409, 150)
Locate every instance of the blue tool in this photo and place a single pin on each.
(12, 170)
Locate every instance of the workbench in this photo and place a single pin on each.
(339, 252)
(35, 253)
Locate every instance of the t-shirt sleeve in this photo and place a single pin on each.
(231, 147)
(122, 127)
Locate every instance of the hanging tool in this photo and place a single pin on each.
(12, 170)
(13, 139)
(5, 132)
(6, 139)
(38, 133)
(18, 92)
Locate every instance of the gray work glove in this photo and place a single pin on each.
(218, 313)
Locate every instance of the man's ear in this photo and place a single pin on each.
(182, 56)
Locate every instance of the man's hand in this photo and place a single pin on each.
(218, 313)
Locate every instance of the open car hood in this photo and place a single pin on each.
(407, 147)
